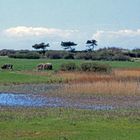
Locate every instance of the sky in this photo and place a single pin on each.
(113, 23)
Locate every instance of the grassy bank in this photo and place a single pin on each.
(14, 77)
(118, 82)
(68, 124)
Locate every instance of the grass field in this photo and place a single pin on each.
(25, 70)
(120, 88)
(68, 124)
(27, 64)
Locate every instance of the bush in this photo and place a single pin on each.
(95, 67)
(54, 55)
(5, 52)
(121, 58)
(86, 67)
(68, 67)
(69, 56)
(29, 55)
(83, 55)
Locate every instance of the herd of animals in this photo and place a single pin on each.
(46, 66)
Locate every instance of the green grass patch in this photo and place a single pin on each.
(21, 78)
(67, 124)
(26, 64)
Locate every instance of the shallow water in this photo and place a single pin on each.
(31, 100)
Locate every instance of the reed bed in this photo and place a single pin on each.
(119, 82)
(116, 75)
(127, 72)
(84, 77)
(111, 88)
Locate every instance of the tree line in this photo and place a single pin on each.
(69, 52)
(68, 46)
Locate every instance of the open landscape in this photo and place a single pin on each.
(69, 105)
(69, 70)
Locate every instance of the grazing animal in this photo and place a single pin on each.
(7, 67)
(47, 66)
(40, 67)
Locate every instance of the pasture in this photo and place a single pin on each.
(25, 71)
(119, 89)
(30, 64)
(68, 124)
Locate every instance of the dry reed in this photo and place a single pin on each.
(127, 72)
(119, 82)
(113, 88)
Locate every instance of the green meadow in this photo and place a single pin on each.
(24, 68)
(31, 64)
(68, 124)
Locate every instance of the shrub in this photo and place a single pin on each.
(121, 57)
(69, 56)
(54, 55)
(83, 55)
(29, 55)
(95, 67)
(68, 66)
(5, 52)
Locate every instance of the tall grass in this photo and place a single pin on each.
(127, 72)
(111, 88)
(119, 82)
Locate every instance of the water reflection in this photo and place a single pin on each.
(31, 100)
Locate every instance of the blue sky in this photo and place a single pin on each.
(111, 22)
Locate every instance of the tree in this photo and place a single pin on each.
(91, 44)
(42, 46)
(68, 46)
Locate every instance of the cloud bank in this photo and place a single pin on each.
(24, 37)
(123, 38)
(23, 31)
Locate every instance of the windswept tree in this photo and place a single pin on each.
(41, 46)
(91, 44)
(68, 46)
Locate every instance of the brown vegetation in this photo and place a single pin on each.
(119, 82)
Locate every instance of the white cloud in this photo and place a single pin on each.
(24, 37)
(116, 34)
(23, 31)
(122, 38)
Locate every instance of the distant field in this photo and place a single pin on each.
(25, 70)
(27, 64)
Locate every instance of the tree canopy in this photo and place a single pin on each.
(69, 46)
(41, 46)
(91, 44)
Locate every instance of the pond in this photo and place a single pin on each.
(32, 100)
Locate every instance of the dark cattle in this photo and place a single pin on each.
(47, 66)
(40, 67)
(7, 67)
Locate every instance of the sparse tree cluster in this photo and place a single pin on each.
(41, 46)
(68, 46)
(69, 52)
(91, 45)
